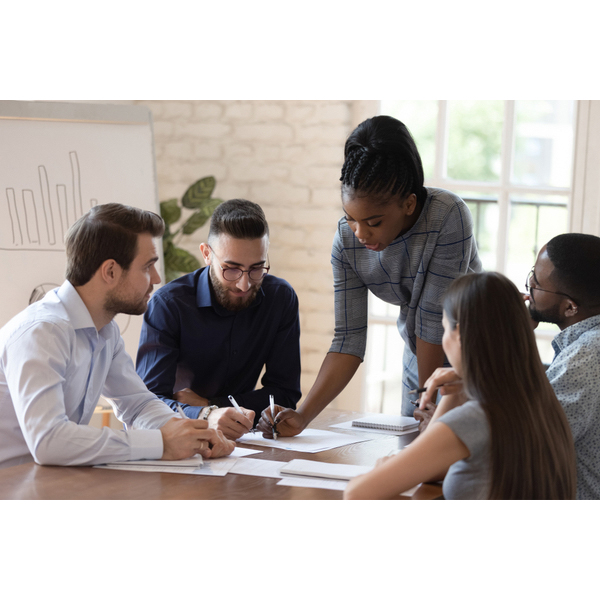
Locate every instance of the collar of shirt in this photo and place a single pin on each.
(571, 334)
(79, 315)
(205, 296)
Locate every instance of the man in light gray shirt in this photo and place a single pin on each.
(564, 288)
(59, 354)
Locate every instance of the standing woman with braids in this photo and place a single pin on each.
(403, 242)
(504, 436)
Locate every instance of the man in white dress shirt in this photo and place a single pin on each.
(60, 353)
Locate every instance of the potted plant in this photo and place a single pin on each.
(197, 198)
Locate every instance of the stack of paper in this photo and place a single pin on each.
(188, 465)
(191, 466)
(313, 468)
(315, 474)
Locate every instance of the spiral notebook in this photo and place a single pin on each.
(387, 422)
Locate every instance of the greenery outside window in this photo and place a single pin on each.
(512, 162)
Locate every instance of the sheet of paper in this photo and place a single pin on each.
(238, 452)
(369, 430)
(310, 440)
(324, 484)
(411, 491)
(211, 466)
(257, 467)
(149, 468)
(315, 468)
(216, 466)
(195, 461)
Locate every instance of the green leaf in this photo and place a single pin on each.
(170, 211)
(198, 193)
(170, 275)
(178, 259)
(200, 217)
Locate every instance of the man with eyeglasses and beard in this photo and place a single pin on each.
(564, 288)
(208, 335)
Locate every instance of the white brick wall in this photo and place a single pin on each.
(286, 156)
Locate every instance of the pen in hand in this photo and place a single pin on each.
(437, 387)
(272, 404)
(418, 391)
(237, 407)
(180, 411)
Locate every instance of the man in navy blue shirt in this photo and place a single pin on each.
(207, 335)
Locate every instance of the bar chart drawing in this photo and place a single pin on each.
(58, 160)
(40, 217)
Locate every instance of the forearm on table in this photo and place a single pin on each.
(334, 375)
(426, 459)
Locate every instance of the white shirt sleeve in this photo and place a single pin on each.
(55, 375)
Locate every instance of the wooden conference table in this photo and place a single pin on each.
(34, 482)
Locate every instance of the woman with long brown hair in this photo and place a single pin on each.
(502, 434)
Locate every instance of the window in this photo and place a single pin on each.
(512, 162)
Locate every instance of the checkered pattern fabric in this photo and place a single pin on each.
(413, 272)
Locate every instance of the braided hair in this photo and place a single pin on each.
(381, 158)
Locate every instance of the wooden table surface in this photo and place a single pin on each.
(34, 482)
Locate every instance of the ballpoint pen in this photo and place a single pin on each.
(237, 407)
(418, 390)
(418, 402)
(272, 404)
(424, 389)
(180, 411)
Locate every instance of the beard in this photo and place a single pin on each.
(116, 303)
(225, 299)
(551, 315)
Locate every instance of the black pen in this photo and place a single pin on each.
(418, 391)
(417, 403)
(424, 389)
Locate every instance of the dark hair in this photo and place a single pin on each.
(532, 451)
(107, 231)
(240, 219)
(381, 157)
(576, 261)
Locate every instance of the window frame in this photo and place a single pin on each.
(583, 206)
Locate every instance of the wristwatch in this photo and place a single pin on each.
(209, 409)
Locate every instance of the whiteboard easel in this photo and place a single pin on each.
(57, 160)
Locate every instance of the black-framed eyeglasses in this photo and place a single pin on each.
(529, 287)
(233, 273)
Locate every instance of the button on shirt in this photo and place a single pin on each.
(188, 340)
(575, 376)
(54, 365)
